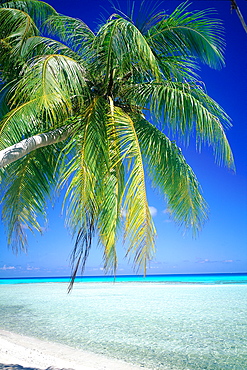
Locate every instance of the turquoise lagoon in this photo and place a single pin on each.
(173, 278)
(175, 322)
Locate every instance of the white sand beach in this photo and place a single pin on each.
(19, 352)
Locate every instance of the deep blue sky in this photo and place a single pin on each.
(222, 244)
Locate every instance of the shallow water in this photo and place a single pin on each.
(161, 326)
(224, 278)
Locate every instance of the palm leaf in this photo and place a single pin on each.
(172, 175)
(185, 108)
(27, 183)
(50, 89)
(113, 44)
(52, 78)
(19, 124)
(4, 109)
(71, 31)
(85, 171)
(178, 68)
(39, 11)
(139, 227)
(113, 187)
(189, 33)
(16, 26)
(39, 45)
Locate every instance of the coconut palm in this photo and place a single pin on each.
(91, 114)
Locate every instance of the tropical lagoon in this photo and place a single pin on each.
(181, 322)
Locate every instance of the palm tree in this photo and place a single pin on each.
(90, 113)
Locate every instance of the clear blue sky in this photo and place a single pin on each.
(222, 244)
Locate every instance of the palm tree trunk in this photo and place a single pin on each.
(19, 150)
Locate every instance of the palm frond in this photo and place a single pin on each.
(39, 11)
(18, 124)
(113, 188)
(186, 109)
(114, 44)
(39, 45)
(4, 109)
(172, 175)
(139, 227)
(144, 17)
(189, 33)
(49, 92)
(71, 31)
(85, 171)
(15, 28)
(50, 76)
(178, 68)
(27, 185)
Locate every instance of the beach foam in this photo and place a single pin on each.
(17, 351)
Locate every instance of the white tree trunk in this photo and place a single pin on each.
(19, 150)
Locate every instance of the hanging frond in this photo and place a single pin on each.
(139, 227)
(28, 184)
(114, 44)
(19, 124)
(4, 109)
(113, 188)
(71, 31)
(55, 78)
(39, 45)
(39, 11)
(186, 109)
(191, 34)
(172, 175)
(85, 172)
(178, 68)
(15, 28)
(48, 93)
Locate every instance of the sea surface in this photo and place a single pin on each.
(177, 322)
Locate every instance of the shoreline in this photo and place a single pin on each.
(19, 352)
(168, 279)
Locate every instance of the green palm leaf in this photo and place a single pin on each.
(16, 26)
(185, 108)
(73, 32)
(53, 77)
(139, 227)
(44, 97)
(112, 193)
(18, 124)
(39, 11)
(171, 173)
(189, 33)
(39, 45)
(85, 171)
(115, 54)
(27, 185)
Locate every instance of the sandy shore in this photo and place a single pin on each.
(20, 352)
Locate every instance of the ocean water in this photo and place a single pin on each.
(174, 325)
(224, 278)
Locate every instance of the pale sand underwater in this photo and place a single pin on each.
(18, 351)
(155, 325)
